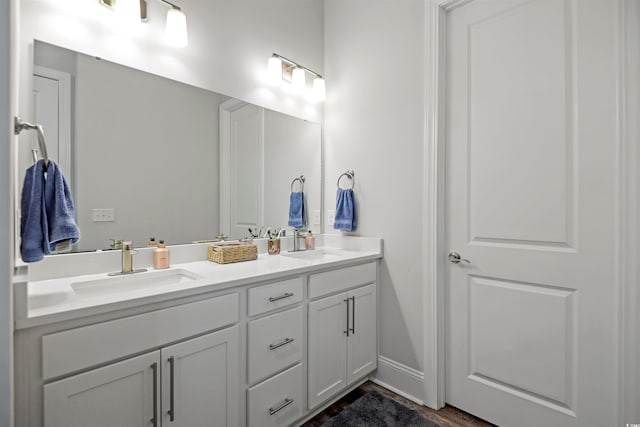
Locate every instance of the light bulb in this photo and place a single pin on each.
(274, 70)
(319, 93)
(176, 29)
(298, 83)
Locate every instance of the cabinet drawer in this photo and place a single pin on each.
(339, 280)
(275, 342)
(277, 401)
(276, 295)
(80, 348)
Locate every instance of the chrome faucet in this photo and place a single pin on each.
(127, 260)
(297, 235)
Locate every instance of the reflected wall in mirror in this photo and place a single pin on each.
(147, 149)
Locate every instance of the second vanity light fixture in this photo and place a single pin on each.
(281, 69)
(176, 25)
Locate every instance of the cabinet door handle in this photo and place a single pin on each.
(154, 369)
(286, 402)
(171, 411)
(353, 315)
(347, 331)
(280, 344)
(283, 296)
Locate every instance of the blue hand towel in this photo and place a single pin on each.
(296, 209)
(48, 214)
(345, 210)
(32, 244)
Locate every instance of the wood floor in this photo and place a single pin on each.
(446, 417)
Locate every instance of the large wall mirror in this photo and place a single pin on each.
(145, 158)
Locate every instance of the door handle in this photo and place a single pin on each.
(154, 370)
(347, 330)
(171, 412)
(353, 315)
(455, 258)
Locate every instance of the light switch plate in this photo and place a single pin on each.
(104, 215)
(316, 217)
(331, 217)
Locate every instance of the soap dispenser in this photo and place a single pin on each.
(310, 241)
(161, 256)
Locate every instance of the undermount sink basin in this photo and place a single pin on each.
(314, 255)
(134, 282)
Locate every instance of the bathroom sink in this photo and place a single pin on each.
(134, 282)
(314, 255)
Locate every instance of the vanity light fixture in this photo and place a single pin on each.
(176, 29)
(176, 25)
(281, 69)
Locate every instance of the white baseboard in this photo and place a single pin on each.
(401, 379)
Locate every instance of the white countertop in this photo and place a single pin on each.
(53, 300)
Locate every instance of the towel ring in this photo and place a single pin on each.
(301, 179)
(349, 174)
(19, 125)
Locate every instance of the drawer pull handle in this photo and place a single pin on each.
(280, 344)
(283, 296)
(286, 402)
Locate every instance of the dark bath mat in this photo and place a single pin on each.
(376, 410)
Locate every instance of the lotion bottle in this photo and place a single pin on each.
(161, 256)
(310, 241)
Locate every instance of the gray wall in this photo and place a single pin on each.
(374, 123)
(161, 176)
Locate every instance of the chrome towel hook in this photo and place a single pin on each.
(349, 174)
(19, 125)
(301, 179)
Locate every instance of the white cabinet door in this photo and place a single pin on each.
(200, 385)
(362, 343)
(121, 394)
(327, 348)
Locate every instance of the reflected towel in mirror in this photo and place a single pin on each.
(296, 209)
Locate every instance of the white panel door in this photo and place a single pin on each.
(52, 110)
(327, 348)
(530, 135)
(362, 341)
(246, 168)
(200, 380)
(45, 104)
(121, 394)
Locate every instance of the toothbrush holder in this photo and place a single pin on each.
(274, 246)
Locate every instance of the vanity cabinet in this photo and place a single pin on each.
(193, 383)
(342, 342)
(265, 353)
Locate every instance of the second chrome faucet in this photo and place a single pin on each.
(297, 236)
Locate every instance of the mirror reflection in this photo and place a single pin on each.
(146, 156)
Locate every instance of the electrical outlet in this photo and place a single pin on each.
(103, 215)
(316, 217)
(331, 218)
